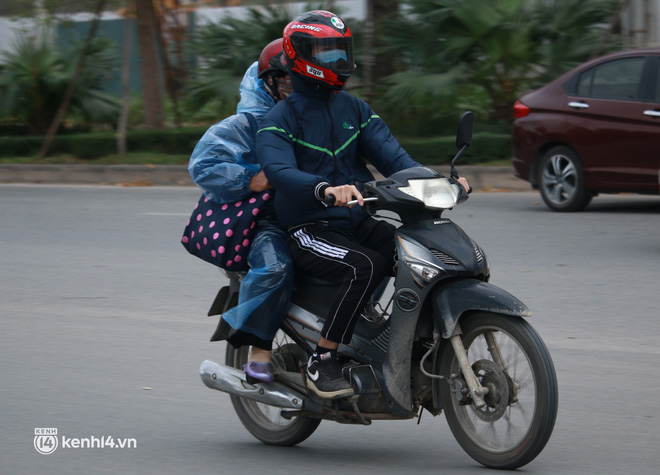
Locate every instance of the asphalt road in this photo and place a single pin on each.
(104, 328)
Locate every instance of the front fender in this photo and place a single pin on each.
(452, 300)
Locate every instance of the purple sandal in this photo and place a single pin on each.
(259, 372)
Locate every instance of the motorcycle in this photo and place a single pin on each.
(444, 340)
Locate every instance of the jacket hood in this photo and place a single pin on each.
(254, 98)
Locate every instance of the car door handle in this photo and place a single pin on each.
(578, 105)
(652, 113)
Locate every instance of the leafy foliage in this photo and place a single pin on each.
(225, 49)
(34, 78)
(502, 47)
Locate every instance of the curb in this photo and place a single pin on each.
(484, 178)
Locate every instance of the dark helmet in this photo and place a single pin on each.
(270, 59)
(318, 46)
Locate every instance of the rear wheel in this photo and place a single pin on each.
(521, 406)
(561, 180)
(263, 421)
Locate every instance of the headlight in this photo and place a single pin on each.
(435, 193)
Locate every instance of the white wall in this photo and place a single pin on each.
(641, 23)
(349, 9)
(10, 29)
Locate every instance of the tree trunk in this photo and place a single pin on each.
(68, 94)
(175, 32)
(383, 9)
(149, 67)
(616, 19)
(125, 88)
(377, 66)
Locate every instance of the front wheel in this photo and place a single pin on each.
(263, 421)
(521, 406)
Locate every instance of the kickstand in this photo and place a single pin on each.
(359, 414)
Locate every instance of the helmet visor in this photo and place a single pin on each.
(335, 54)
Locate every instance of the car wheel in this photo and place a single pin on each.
(561, 180)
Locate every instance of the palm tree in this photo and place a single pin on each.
(500, 47)
(35, 76)
(225, 49)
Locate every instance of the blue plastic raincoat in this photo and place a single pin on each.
(222, 164)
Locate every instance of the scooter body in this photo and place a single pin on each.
(409, 351)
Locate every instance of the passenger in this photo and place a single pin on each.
(225, 166)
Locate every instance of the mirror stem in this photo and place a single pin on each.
(453, 172)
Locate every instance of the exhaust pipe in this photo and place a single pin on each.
(231, 380)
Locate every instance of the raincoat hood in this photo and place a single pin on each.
(224, 159)
(254, 98)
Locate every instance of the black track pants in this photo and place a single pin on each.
(357, 263)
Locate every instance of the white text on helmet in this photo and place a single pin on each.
(315, 72)
(306, 27)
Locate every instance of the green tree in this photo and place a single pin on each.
(474, 49)
(35, 76)
(225, 50)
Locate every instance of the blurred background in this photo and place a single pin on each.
(139, 81)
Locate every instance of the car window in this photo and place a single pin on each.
(617, 79)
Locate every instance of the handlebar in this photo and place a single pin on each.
(371, 199)
(330, 200)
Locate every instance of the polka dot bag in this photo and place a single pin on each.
(221, 234)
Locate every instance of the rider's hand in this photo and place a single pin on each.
(259, 182)
(465, 184)
(343, 194)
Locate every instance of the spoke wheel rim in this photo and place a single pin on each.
(511, 429)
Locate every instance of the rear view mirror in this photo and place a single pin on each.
(463, 137)
(465, 129)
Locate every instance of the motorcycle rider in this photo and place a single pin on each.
(314, 145)
(224, 165)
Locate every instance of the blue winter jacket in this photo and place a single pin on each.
(224, 160)
(317, 138)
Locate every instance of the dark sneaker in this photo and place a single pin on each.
(259, 372)
(325, 379)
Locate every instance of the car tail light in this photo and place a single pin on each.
(520, 110)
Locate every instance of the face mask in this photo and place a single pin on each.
(332, 56)
(284, 86)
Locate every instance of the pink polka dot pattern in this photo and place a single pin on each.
(222, 233)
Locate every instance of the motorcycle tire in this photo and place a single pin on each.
(521, 408)
(263, 421)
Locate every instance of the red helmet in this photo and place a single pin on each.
(318, 46)
(271, 58)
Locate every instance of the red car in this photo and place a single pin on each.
(596, 129)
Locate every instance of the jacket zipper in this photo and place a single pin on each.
(334, 159)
